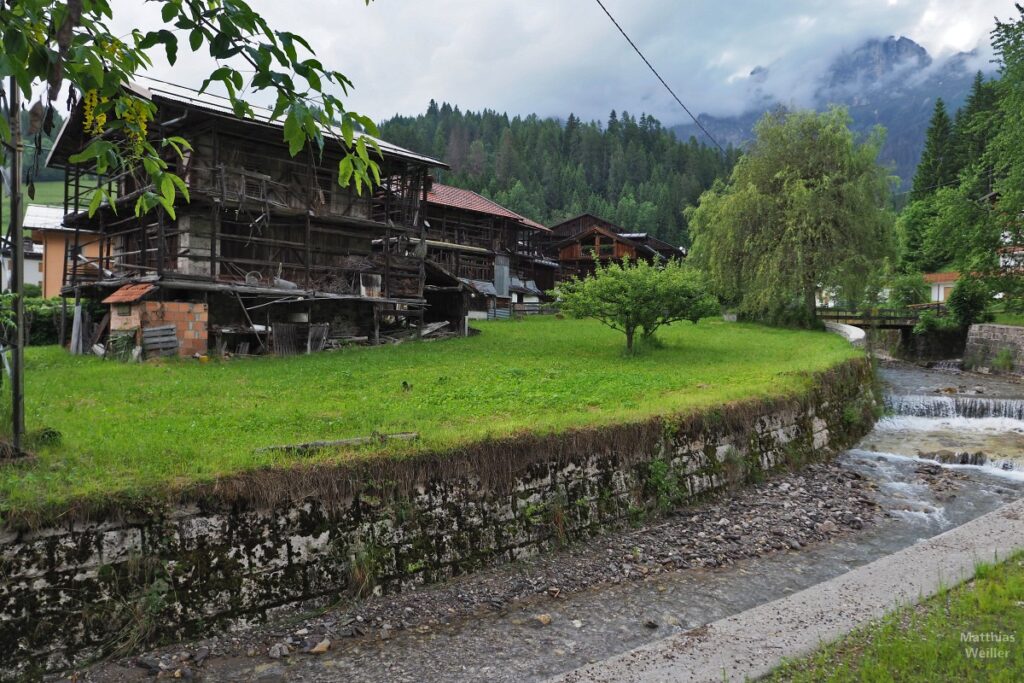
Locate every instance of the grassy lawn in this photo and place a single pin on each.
(1009, 319)
(974, 632)
(1003, 317)
(132, 429)
(48, 192)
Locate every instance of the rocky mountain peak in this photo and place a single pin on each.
(876, 60)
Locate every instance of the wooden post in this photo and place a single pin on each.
(376, 324)
(17, 245)
(160, 242)
(387, 262)
(215, 240)
(78, 186)
(309, 250)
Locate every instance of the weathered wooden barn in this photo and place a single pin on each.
(494, 251)
(270, 254)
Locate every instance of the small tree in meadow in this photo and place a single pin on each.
(637, 297)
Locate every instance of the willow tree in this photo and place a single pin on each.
(804, 208)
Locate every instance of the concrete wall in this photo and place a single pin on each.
(72, 591)
(55, 243)
(986, 342)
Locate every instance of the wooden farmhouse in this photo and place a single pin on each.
(492, 250)
(270, 254)
(580, 243)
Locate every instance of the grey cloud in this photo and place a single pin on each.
(555, 57)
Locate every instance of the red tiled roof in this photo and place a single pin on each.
(457, 198)
(129, 294)
(932, 278)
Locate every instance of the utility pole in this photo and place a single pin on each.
(17, 246)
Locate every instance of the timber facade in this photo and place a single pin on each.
(582, 243)
(495, 252)
(277, 254)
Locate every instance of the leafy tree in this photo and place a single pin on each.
(909, 289)
(1005, 154)
(637, 296)
(937, 166)
(913, 227)
(971, 223)
(803, 209)
(70, 43)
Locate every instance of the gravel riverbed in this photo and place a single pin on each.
(788, 512)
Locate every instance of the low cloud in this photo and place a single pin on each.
(559, 57)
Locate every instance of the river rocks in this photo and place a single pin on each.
(279, 650)
(321, 647)
(957, 457)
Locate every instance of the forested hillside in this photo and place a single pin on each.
(968, 192)
(631, 171)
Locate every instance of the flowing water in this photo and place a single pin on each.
(933, 414)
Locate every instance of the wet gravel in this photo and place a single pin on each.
(787, 513)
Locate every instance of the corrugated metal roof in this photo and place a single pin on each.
(458, 198)
(40, 217)
(525, 287)
(480, 286)
(129, 294)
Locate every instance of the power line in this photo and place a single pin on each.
(655, 72)
(930, 187)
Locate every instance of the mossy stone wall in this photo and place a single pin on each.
(69, 593)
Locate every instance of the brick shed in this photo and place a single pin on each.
(131, 313)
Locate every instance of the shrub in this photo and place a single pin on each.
(969, 301)
(1003, 361)
(930, 323)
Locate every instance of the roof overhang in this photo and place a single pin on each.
(159, 92)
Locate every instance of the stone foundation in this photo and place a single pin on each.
(990, 346)
(74, 591)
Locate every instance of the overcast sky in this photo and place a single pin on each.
(553, 57)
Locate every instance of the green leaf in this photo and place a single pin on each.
(169, 11)
(293, 132)
(167, 187)
(180, 184)
(345, 171)
(97, 199)
(195, 39)
(168, 207)
(93, 150)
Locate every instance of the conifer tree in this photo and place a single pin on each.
(936, 167)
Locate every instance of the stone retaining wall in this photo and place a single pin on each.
(985, 343)
(71, 592)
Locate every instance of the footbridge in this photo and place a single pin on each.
(881, 318)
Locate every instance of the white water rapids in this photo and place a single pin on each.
(958, 430)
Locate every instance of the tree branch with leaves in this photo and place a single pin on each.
(71, 44)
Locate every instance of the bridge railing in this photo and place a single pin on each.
(881, 315)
